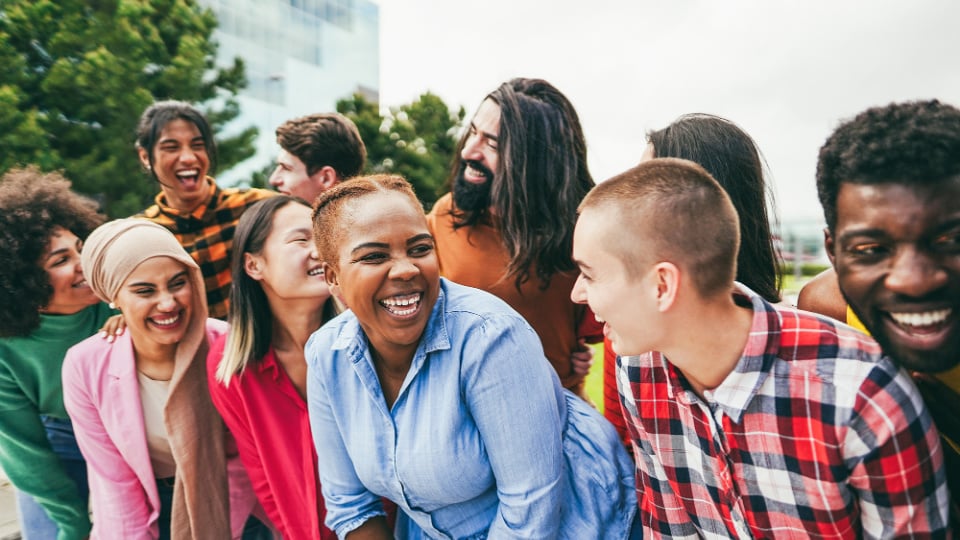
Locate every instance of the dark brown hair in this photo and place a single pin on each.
(324, 139)
(250, 317)
(157, 116)
(541, 177)
(915, 143)
(733, 159)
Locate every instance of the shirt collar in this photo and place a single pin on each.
(268, 364)
(198, 212)
(435, 335)
(738, 389)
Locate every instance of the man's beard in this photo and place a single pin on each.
(468, 196)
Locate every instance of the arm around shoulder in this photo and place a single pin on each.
(822, 295)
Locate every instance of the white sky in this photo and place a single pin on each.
(785, 71)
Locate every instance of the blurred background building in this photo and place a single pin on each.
(301, 57)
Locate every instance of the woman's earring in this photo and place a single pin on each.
(113, 306)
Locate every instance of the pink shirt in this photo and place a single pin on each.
(102, 395)
(268, 419)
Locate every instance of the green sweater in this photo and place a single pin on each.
(30, 385)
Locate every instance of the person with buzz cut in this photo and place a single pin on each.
(747, 419)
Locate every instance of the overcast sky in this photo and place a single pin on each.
(786, 72)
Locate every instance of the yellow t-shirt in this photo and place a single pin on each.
(853, 321)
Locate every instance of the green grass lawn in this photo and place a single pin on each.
(793, 285)
(594, 382)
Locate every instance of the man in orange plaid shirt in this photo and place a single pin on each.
(175, 145)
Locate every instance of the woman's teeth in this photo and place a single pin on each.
(397, 304)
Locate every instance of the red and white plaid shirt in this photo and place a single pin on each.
(813, 435)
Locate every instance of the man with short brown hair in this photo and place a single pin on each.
(317, 151)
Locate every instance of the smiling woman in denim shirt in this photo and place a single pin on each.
(438, 396)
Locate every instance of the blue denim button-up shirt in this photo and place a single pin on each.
(472, 446)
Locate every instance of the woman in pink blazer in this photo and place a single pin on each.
(155, 447)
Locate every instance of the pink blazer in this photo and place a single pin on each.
(102, 396)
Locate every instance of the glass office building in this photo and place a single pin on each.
(301, 57)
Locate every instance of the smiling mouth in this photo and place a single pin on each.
(921, 322)
(475, 173)
(318, 271)
(189, 177)
(167, 322)
(402, 305)
(80, 284)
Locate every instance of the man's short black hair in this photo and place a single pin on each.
(915, 142)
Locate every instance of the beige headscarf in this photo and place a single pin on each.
(114, 250)
(194, 429)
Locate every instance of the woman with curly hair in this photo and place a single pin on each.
(45, 308)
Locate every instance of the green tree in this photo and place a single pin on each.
(260, 178)
(416, 140)
(76, 74)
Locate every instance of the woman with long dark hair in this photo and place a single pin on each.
(257, 372)
(732, 157)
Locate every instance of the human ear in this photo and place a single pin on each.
(333, 281)
(667, 277)
(328, 177)
(144, 158)
(828, 245)
(251, 265)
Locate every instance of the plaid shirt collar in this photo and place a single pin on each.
(738, 390)
(213, 194)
